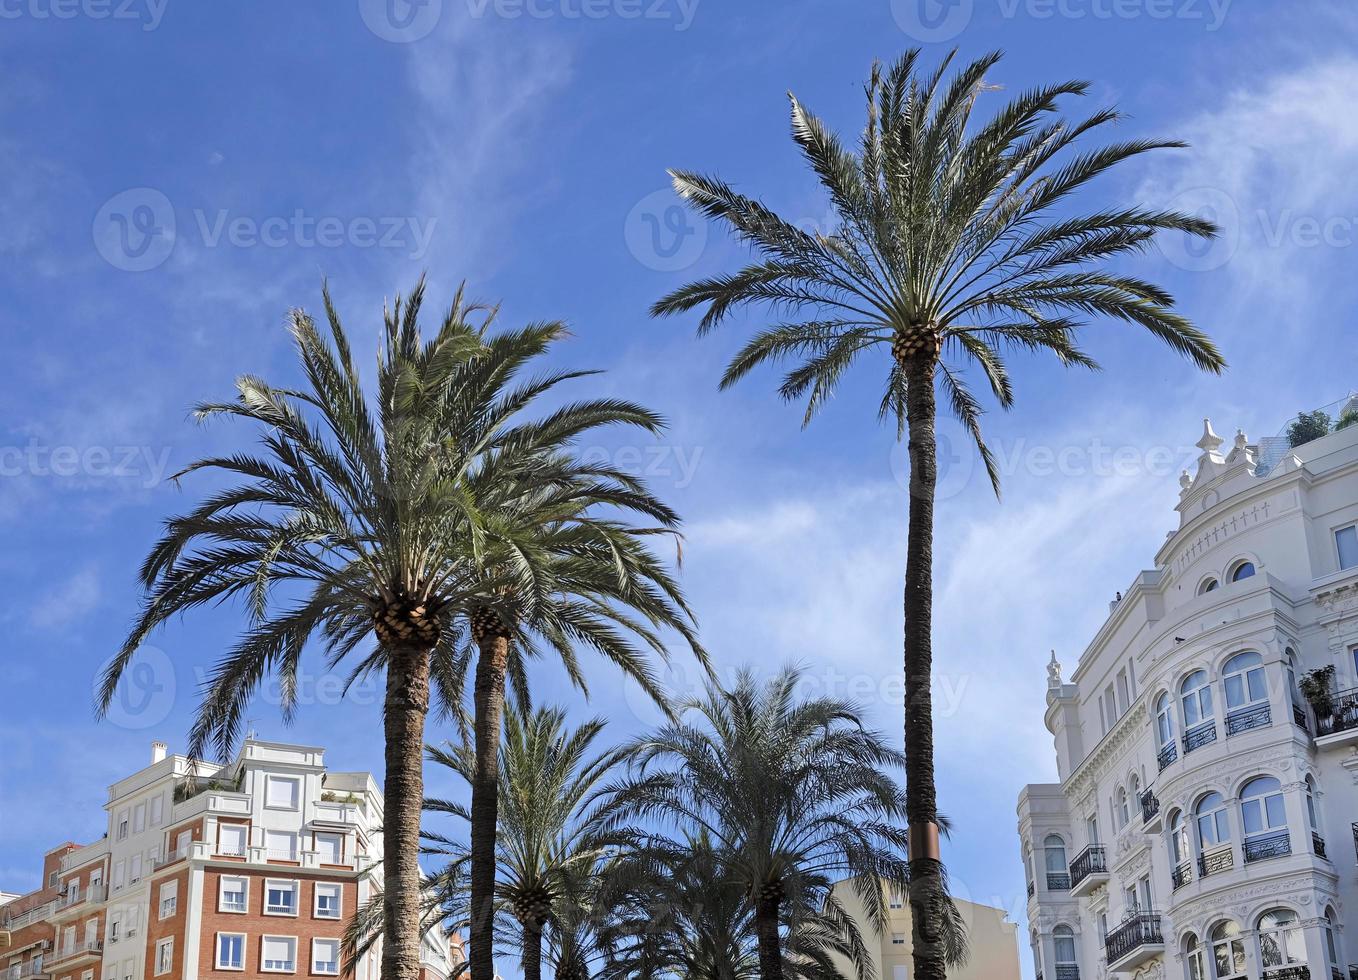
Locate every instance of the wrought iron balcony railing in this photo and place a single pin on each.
(1181, 875)
(1248, 719)
(1166, 755)
(1067, 971)
(1299, 716)
(1058, 882)
(1216, 862)
(1196, 738)
(1031, 889)
(1342, 716)
(1318, 845)
(1139, 929)
(1093, 860)
(1268, 846)
(1150, 806)
(1288, 973)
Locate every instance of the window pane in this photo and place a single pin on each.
(1347, 542)
(1254, 821)
(1235, 690)
(1277, 816)
(1257, 689)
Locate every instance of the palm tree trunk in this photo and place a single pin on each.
(770, 946)
(532, 951)
(403, 716)
(489, 705)
(926, 869)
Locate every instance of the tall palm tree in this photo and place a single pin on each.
(373, 515)
(792, 794)
(550, 821)
(560, 566)
(954, 244)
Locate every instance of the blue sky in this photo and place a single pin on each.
(178, 175)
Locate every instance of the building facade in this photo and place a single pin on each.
(1204, 823)
(211, 872)
(992, 937)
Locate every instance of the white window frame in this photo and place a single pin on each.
(316, 900)
(1244, 676)
(293, 884)
(157, 816)
(337, 837)
(217, 951)
(263, 941)
(336, 961)
(296, 781)
(169, 894)
(139, 818)
(221, 894)
(274, 854)
(1338, 549)
(162, 947)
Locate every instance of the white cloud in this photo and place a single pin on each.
(68, 601)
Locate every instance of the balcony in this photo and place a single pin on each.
(1267, 846)
(1181, 875)
(1248, 719)
(91, 895)
(1067, 971)
(1134, 942)
(1340, 725)
(1318, 845)
(1088, 871)
(1216, 862)
(1299, 717)
(1151, 820)
(32, 969)
(1196, 738)
(18, 920)
(1288, 973)
(1058, 882)
(64, 953)
(1166, 755)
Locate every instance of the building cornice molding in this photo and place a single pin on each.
(1119, 741)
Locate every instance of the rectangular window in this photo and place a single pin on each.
(896, 900)
(328, 900)
(1124, 693)
(1346, 541)
(139, 818)
(115, 925)
(325, 956)
(134, 870)
(330, 848)
(278, 954)
(233, 894)
(282, 792)
(119, 875)
(1112, 705)
(898, 939)
(182, 842)
(280, 897)
(231, 839)
(157, 811)
(73, 891)
(230, 951)
(122, 825)
(169, 899)
(281, 845)
(164, 956)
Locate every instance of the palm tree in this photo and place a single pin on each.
(377, 518)
(954, 244)
(791, 793)
(551, 824)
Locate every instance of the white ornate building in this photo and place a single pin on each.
(1206, 819)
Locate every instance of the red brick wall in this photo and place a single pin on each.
(254, 923)
(169, 927)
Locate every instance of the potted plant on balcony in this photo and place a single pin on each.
(1316, 688)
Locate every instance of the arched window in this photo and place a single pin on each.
(1331, 941)
(1180, 852)
(1265, 819)
(1207, 586)
(1242, 571)
(1280, 942)
(1164, 723)
(1037, 954)
(1298, 712)
(1245, 685)
(1055, 851)
(1028, 867)
(1196, 696)
(1214, 827)
(1121, 808)
(1193, 957)
(1228, 951)
(1064, 943)
(1311, 818)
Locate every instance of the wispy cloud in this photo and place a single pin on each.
(69, 601)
